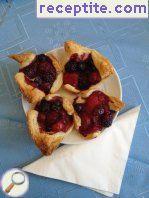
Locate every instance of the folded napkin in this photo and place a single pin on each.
(98, 164)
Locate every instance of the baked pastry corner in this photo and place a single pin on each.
(27, 86)
(102, 64)
(114, 105)
(45, 141)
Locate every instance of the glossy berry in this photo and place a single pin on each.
(101, 110)
(52, 117)
(47, 77)
(92, 102)
(29, 71)
(42, 73)
(46, 87)
(38, 80)
(71, 66)
(48, 128)
(107, 119)
(81, 67)
(41, 118)
(78, 107)
(71, 79)
(63, 114)
(42, 57)
(90, 64)
(94, 77)
(83, 83)
(45, 67)
(58, 126)
(43, 106)
(97, 114)
(56, 105)
(85, 120)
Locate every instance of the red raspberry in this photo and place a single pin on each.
(52, 117)
(58, 126)
(41, 117)
(91, 102)
(107, 119)
(95, 99)
(95, 128)
(46, 87)
(85, 120)
(71, 79)
(94, 77)
(41, 120)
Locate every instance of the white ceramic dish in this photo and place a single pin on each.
(111, 85)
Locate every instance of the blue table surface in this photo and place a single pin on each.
(124, 42)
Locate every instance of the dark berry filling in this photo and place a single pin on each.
(95, 113)
(80, 72)
(40, 73)
(52, 117)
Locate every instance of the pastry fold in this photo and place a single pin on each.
(45, 141)
(102, 64)
(33, 94)
(114, 103)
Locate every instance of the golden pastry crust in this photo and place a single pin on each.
(47, 143)
(71, 47)
(55, 63)
(71, 88)
(93, 135)
(57, 83)
(115, 104)
(102, 64)
(31, 93)
(24, 59)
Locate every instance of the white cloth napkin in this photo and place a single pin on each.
(98, 164)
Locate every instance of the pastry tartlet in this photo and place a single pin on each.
(94, 113)
(84, 68)
(38, 75)
(49, 121)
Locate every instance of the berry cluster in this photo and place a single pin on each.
(40, 73)
(81, 72)
(52, 117)
(95, 113)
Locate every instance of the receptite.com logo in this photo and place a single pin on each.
(14, 183)
(92, 8)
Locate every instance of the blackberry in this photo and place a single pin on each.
(90, 64)
(101, 110)
(42, 57)
(46, 87)
(81, 67)
(107, 120)
(83, 83)
(78, 107)
(38, 80)
(47, 77)
(29, 71)
(48, 128)
(43, 106)
(71, 66)
(56, 105)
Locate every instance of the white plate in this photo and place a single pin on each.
(111, 85)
